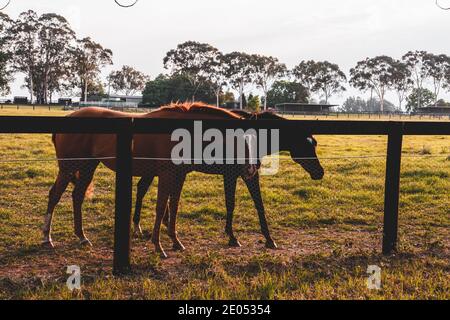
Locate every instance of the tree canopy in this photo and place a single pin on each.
(419, 98)
(375, 74)
(177, 88)
(323, 77)
(287, 92)
(128, 80)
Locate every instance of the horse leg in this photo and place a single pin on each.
(255, 191)
(85, 178)
(230, 182)
(54, 196)
(142, 189)
(166, 216)
(173, 210)
(164, 186)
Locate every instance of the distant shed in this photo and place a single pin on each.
(444, 110)
(304, 108)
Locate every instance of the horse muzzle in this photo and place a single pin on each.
(317, 174)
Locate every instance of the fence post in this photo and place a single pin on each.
(392, 188)
(124, 180)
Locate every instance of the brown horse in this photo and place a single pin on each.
(302, 148)
(80, 154)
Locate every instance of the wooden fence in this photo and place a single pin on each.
(124, 128)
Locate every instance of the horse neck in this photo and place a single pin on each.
(285, 140)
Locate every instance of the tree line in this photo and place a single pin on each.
(203, 65)
(45, 49)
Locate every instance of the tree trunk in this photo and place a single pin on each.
(265, 100)
(85, 90)
(436, 93)
(241, 92)
(419, 96)
(45, 88)
(30, 74)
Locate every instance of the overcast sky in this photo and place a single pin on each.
(342, 32)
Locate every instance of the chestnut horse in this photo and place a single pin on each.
(80, 154)
(302, 148)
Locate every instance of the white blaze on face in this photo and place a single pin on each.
(244, 142)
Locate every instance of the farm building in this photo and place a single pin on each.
(304, 108)
(20, 100)
(128, 99)
(445, 110)
(114, 101)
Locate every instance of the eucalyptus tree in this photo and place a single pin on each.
(416, 62)
(323, 77)
(128, 80)
(24, 46)
(304, 74)
(267, 71)
(240, 70)
(56, 38)
(193, 60)
(375, 74)
(438, 68)
(217, 75)
(5, 54)
(328, 80)
(88, 58)
(401, 81)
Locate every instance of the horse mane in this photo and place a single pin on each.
(265, 115)
(269, 115)
(198, 107)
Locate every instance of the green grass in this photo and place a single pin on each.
(328, 231)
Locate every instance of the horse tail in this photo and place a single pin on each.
(90, 189)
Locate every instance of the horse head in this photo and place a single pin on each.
(301, 146)
(303, 152)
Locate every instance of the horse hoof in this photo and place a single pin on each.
(85, 243)
(48, 245)
(270, 244)
(178, 247)
(234, 243)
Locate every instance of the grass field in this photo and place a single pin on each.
(328, 232)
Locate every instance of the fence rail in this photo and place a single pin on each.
(124, 128)
(370, 115)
